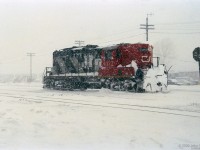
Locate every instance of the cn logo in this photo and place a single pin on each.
(146, 58)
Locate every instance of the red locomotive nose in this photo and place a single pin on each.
(117, 60)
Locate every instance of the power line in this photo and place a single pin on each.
(30, 55)
(113, 34)
(178, 23)
(177, 32)
(13, 60)
(122, 38)
(179, 29)
(128, 30)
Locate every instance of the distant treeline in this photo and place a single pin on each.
(194, 75)
(5, 78)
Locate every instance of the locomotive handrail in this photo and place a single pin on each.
(46, 71)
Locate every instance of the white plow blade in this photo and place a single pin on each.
(156, 79)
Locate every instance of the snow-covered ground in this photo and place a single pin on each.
(36, 118)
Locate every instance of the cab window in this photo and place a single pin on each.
(108, 55)
(143, 49)
(118, 53)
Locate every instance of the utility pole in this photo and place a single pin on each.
(30, 55)
(79, 42)
(147, 26)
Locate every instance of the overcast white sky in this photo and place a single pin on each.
(42, 26)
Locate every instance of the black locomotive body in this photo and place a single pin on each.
(74, 68)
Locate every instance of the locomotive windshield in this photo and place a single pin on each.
(112, 54)
(108, 54)
(143, 49)
(118, 53)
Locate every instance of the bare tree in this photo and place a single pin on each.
(166, 51)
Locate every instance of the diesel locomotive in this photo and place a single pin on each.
(124, 67)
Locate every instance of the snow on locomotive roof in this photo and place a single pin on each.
(78, 48)
(87, 47)
(91, 47)
(111, 47)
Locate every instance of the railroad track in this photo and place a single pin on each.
(144, 108)
(83, 94)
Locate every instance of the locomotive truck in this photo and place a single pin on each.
(124, 67)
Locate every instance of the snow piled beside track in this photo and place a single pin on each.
(34, 118)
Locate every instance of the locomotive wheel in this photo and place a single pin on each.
(112, 86)
(122, 88)
(108, 86)
(69, 87)
(83, 87)
(52, 85)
